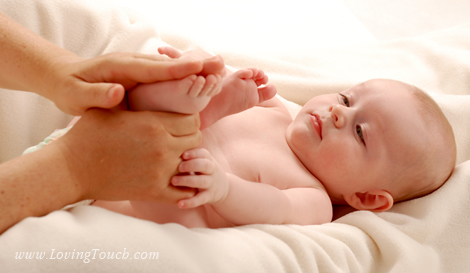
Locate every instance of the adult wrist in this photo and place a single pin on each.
(55, 75)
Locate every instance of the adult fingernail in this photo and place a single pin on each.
(112, 91)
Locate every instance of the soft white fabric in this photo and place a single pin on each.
(429, 234)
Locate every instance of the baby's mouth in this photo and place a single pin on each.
(317, 124)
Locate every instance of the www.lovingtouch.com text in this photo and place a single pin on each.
(86, 256)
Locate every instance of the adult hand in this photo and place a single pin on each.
(31, 63)
(107, 155)
(76, 85)
(135, 161)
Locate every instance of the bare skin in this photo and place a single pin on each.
(237, 184)
(230, 169)
(75, 168)
(31, 63)
(257, 165)
(197, 93)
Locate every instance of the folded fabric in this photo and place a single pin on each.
(429, 234)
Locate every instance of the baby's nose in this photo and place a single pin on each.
(337, 115)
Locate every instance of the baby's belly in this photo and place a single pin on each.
(202, 216)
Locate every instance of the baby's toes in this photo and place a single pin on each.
(186, 83)
(266, 92)
(244, 73)
(211, 81)
(217, 86)
(196, 86)
(261, 78)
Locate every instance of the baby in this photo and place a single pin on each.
(373, 145)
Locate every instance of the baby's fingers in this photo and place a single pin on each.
(199, 199)
(196, 153)
(192, 181)
(197, 165)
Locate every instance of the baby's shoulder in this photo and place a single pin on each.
(305, 179)
(291, 173)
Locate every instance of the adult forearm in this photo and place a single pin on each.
(26, 58)
(34, 185)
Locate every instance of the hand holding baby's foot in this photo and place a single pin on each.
(188, 95)
(200, 170)
(213, 66)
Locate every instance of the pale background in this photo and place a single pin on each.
(387, 19)
(272, 26)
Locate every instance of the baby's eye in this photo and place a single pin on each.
(359, 133)
(344, 99)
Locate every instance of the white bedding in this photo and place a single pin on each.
(430, 234)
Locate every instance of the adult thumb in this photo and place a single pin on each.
(102, 95)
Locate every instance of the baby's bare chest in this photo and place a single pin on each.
(252, 145)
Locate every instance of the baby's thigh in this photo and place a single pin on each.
(168, 213)
(123, 207)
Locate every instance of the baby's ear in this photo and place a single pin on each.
(373, 200)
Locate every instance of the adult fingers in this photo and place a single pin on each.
(214, 65)
(172, 194)
(169, 51)
(127, 69)
(102, 95)
(179, 125)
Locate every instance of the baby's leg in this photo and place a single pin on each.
(188, 96)
(241, 90)
(123, 207)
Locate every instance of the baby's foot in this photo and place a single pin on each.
(188, 95)
(240, 91)
(243, 88)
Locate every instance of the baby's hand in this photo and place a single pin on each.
(200, 170)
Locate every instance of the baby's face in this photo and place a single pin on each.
(358, 140)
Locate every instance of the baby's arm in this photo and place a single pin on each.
(244, 202)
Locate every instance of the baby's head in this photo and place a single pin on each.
(377, 143)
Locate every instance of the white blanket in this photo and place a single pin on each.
(430, 234)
